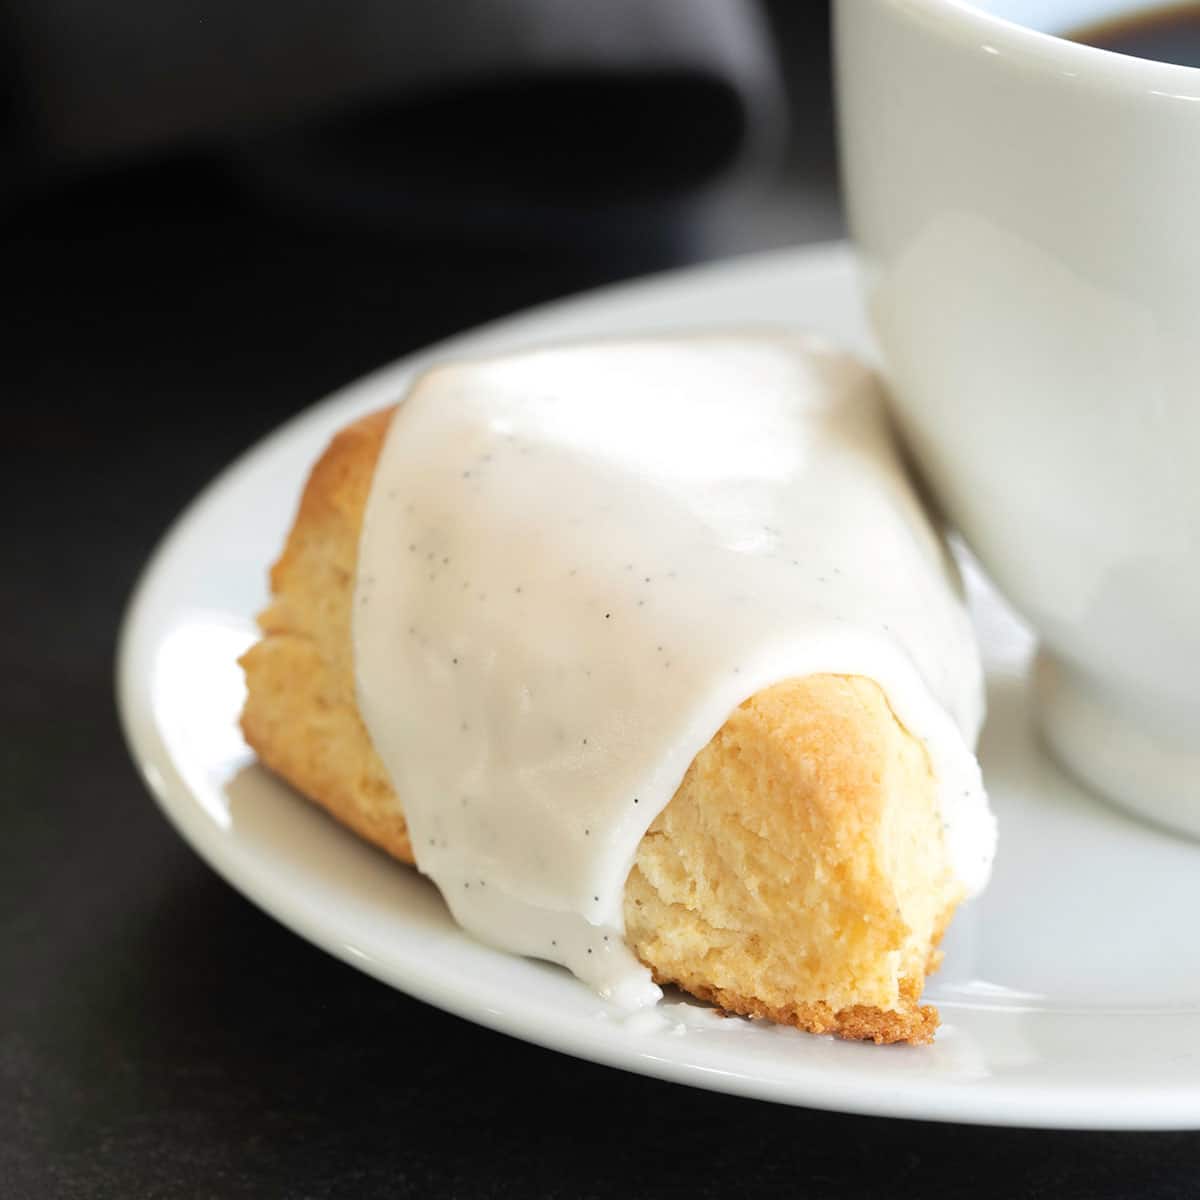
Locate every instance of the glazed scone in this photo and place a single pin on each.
(799, 872)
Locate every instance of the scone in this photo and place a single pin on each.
(801, 870)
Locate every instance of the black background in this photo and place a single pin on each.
(159, 1036)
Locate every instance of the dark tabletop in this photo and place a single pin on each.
(159, 1036)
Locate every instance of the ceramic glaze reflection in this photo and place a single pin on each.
(577, 562)
(1025, 208)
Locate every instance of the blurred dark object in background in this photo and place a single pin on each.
(540, 120)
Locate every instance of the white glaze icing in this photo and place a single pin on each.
(576, 562)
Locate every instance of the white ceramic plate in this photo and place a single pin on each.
(1070, 993)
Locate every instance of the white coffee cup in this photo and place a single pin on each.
(1027, 211)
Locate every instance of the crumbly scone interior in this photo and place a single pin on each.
(798, 872)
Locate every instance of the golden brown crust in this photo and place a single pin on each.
(798, 873)
(301, 716)
(911, 1022)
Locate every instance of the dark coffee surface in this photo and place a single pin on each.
(1170, 33)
